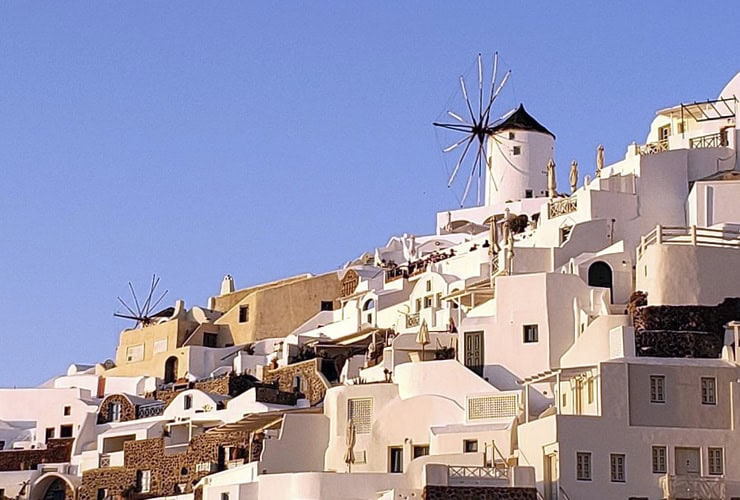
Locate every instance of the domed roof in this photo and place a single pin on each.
(520, 120)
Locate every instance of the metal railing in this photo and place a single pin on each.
(693, 486)
(693, 235)
(561, 207)
(652, 148)
(717, 140)
(468, 475)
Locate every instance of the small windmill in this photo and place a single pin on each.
(474, 130)
(142, 312)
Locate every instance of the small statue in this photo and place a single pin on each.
(599, 160)
(551, 184)
(573, 176)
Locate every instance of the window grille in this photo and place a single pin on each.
(501, 406)
(360, 411)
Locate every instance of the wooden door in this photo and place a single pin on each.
(474, 351)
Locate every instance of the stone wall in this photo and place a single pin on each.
(128, 410)
(57, 451)
(313, 384)
(171, 473)
(229, 384)
(683, 331)
(478, 493)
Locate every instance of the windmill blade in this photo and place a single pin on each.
(454, 146)
(136, 301)
(126, 316)
(470, 178)
(148, 300)
(454, 126)
(467, 101)
(459, 162)
(159, 299)
(126, 306)
(456, 117)
(494, 73)
(480, 87)
(501, 85)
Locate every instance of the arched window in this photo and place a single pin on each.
(368, 305)
(170, 370)
(600, 275)
(188, 403)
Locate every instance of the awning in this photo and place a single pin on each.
(258, 421)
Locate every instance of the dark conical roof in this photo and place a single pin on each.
(520, 120)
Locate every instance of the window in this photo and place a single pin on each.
(224, 496)
(188, 402)
(421, 450)
(590, 390)
(67, 413)
(664, 132)
(657, 389)
(617, 467)
(428, 301)
(660, 465)
(360, 411)
(114, 412)
(716, 466)
(49, 434)
(583, 466)
(512, 136)
(102, 493)
(418, 305)
(395, 459)
(2, 446)
(565, 399)
(65, 431)
(531, 333)
(297, 384)
(429, 285)
(516, 150)
(708, 391)
(470, 446)
(2, 492)
(528, 193)
(143, 481)
(327, 305)
(243, 314)
(210, 339)
(564, 233)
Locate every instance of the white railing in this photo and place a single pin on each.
(708, 141)
(652, 148)
(707, 488)
(695, 236)
(468, 475)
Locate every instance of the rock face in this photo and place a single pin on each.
(683, 331)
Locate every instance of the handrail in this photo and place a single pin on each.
(652, 148)
(693, 235)
(562, 491)
(708, 141)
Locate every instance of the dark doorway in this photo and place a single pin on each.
(170, 370)
(474, 351)
(55, 491)
(600, 275)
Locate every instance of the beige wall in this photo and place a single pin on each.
(277, 310)
(683, 406)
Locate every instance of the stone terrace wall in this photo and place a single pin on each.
(230, 384)
(683, 331)
(171, 473)
(478, 493)
(313, 384)
(57, 451)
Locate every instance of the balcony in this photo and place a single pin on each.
(476, 476)
(560, 207)
(690, 486)
(652, 148)
(717, 140)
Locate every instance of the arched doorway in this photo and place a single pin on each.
(600, 275)
(56, 490)
(170, 370)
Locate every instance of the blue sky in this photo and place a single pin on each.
(193, 140)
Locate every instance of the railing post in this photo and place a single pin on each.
(693, 235)
(658, 234)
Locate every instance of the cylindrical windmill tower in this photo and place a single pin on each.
(519, 148)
